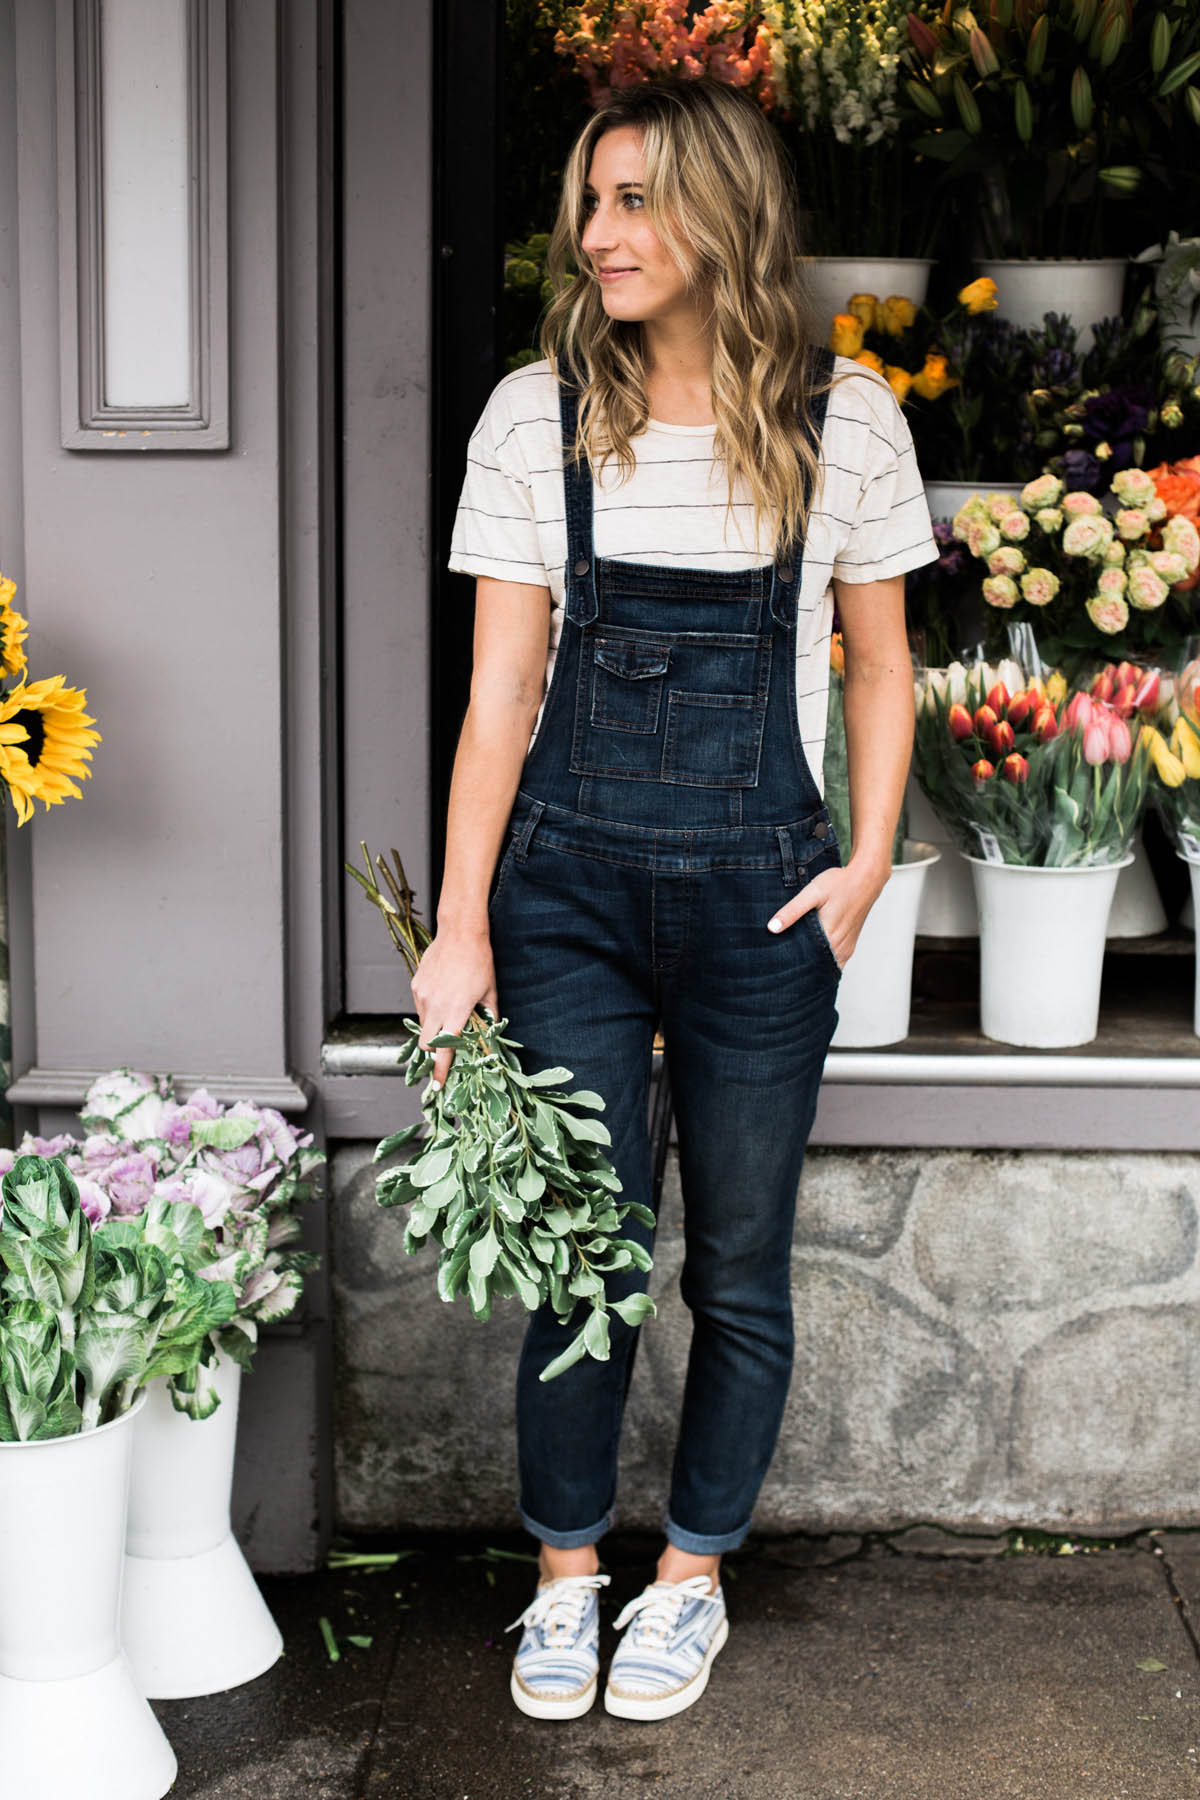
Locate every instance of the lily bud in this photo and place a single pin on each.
(924, 99)
(1122, 178)
(922, 39)
(1023, 112)
(1035, 51)
(998, 698)
(968, 110)
(982, 54)
(1192, 96)
(1020, 707)
(1095, 741)
(1014, 768)
(1001, 738)
(984, 719)
(1120, 743)
(1045, 725)
(1112, 37)
(1085, 18)
(1083, 105)
(981, 771)
(1160, 42)
(959, 721)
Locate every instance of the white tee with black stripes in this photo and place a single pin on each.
(869, 519)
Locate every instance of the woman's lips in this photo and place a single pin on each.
(614, 274)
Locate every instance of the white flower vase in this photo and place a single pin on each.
(833, 279)
(875, 995)
(193, 1620)
(1041, 951)
(947, 908)
(1193, 863)
(74, 1724)
(1086, 291)
(1137, 908)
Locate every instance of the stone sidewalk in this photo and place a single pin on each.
(920, 1666)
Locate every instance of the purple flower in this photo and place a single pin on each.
(92, 1199)
(129, 1183)
(1082, 471)
(178, 1119)
(51, 1146)
(1116, 418)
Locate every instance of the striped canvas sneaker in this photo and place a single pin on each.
(554, 1671)
(662, 1663)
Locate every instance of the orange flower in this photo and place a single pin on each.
(837, 656)
(864, 307)
(899, 380)
(979, 296)
(847, 335)
(935, 378)
(870, 360)
(895, 315)
(1178, 487)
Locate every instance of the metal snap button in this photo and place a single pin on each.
(821, 829)
(786, 572)
(582, 566)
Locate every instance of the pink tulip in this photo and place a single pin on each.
(1146, 698)
(1095, 741)
(1120, 743)
(1078, 713)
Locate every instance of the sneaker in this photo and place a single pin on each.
(554, 1671)
(662, 1663)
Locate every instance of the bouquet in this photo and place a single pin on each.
(1059, 559)
(236, 1174)
(503, 1173)
(1038, 776)
(90, 1313)
(1175, 761)
(46, 739)
(619, 46)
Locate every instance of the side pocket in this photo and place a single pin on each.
(502, 868)
(822, 938)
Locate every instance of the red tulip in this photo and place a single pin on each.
(1014, 768)
(1126, 672)
(1020, 708)
(982, 771)
(1120, 743)
(1045, 725)
(959, 721)
(1146, 698)
(985, 718)
(1123, 700)
(1001, 738)
(1102, 686)
(1095, 741)
(998, 698)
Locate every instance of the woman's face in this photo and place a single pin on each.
(638, 277)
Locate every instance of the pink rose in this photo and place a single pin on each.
(1001, 590)
(1088, 537)
(1108, 614)
(981, 537)
(1112, 582)
(1039, 586)
(1132, 524)
(1043, 491)
(1008, 560)
(1080, 505)
(1146, 590)
(1015, 526)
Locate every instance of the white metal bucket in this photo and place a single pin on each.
(875, 994)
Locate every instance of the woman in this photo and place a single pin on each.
(643, 513)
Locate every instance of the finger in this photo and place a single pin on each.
(491, 1001)
(441, 1064)
(797, 906)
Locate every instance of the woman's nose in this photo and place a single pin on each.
(598, 233)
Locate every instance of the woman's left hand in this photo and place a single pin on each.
(843, 898)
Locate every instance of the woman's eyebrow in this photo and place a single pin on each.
(621, 186)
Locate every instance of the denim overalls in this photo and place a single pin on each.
(665, 811)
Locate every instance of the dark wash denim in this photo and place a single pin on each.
(665, 811)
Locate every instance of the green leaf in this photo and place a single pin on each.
(389, 1145)
(432, 1166)
(484, 1252)
(592, 1131)
(573, 1353)
(549, 1078)
(586, 1097)
(634, 1308)
(229, 1132)
(595, 1335)
(531, 1183)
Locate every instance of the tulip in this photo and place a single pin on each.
(1056, 688)
(1168, 768)
(1009, 672)
(1095, 741)
(985, 718)
(959, 721)
(1020, 708)
(1102, 686)
(1078, 713)
(998, 698)
(865, 308)
(1146, 698)
(847, 335)
(981, 771)
(898, 379)
(1120, 742)
(1015, 768)
(1045, 725)
(1001, 738)
(1126, 671)
(837, 655)
(935, 378)
(979, 296)
(1123, 701)
(869, 359)
(1186, 746)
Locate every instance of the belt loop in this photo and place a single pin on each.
(526, 832)
(786, 854)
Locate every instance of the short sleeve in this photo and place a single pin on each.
(495, 528)
(890, 532)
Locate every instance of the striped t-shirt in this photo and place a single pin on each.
(869, 519)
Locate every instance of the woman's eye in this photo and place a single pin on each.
(634, 202)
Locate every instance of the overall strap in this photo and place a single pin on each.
(785, 583)
(582, 605)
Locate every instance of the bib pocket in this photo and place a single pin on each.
(627, 684)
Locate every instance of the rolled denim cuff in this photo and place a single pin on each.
(705, 1544)
(566, 1540)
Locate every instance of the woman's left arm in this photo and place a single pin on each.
(878, 706)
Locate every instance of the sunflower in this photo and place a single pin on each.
(45, 744)
(12, 630)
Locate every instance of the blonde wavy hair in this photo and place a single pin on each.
(720, 195)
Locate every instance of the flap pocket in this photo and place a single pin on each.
(631, 661)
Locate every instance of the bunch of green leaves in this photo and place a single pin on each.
(88, 1316)
(507, 1171)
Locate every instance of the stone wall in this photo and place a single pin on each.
(982, 1339)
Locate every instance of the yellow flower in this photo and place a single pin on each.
(1185, 744)
(45, 743)
(847, 335)
(899, 380)
(935, 378)
(895, 315)
(837, 656)
(1056, 688)
(1169, 769)
(13, 628)
(979, 296)
(869, 360)
(864, 307)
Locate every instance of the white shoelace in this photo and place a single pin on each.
(659, 1606)
(560, 1606)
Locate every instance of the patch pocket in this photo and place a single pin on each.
(627, 684)
(713, 740)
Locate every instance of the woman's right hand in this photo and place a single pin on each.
(453, 976)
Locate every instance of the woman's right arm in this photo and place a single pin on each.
(512, 631)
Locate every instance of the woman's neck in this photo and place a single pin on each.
(678, 372)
